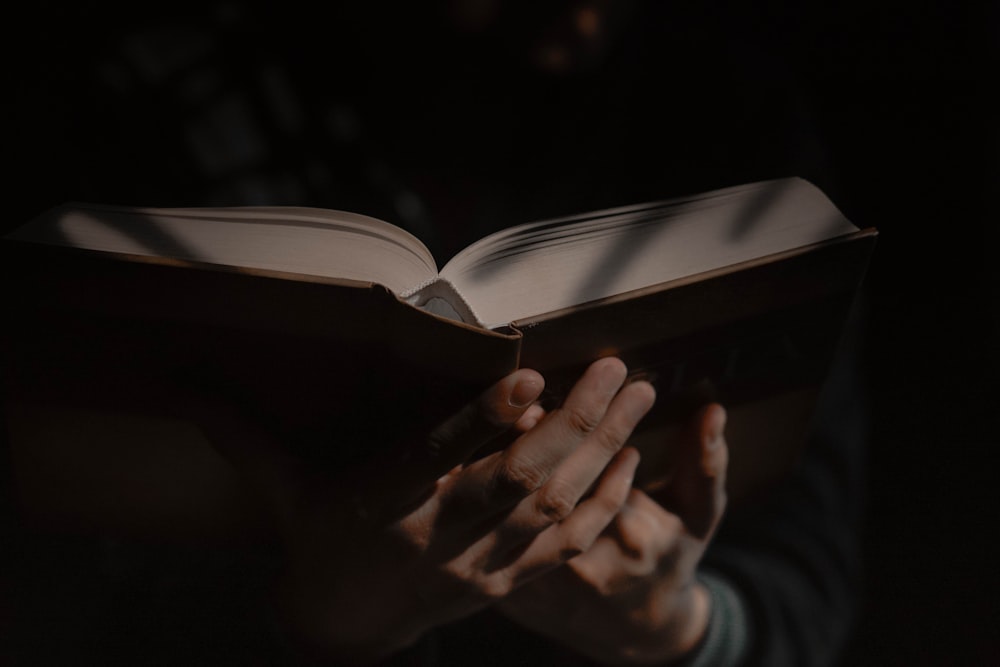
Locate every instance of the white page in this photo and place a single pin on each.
(505, 280)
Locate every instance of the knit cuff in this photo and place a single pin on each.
(727, 639)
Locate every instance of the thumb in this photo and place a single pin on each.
(459, 437)
(697, 492)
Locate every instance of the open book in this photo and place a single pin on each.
(519, 273)
(737, 295)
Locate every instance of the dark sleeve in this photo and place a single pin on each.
(785, 575)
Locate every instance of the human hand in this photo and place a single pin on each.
(375, 564)
(632, 597)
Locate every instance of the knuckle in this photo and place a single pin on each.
(556, 500)
(610, 438)
(518, 476)
(495, 587)
(582, 420)
(463, 585)
(638, 535)
(639, 542)
(671, 525)
(574, 543)
(665, 546)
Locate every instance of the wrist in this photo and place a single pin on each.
(727, 637)
(694, 621)
(677, 625)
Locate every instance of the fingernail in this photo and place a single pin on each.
(525, 393)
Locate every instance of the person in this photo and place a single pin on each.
(509, 559)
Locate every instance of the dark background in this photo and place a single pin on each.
(426, 119)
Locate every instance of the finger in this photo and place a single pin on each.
(453, 442)
(647, 533)
(557, 498)
(642, 540)
(498, 482)
(697, 493)
(530, 419)
(578, 532)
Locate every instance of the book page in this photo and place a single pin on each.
(306, 241)
(546, 266)
(440, 298)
